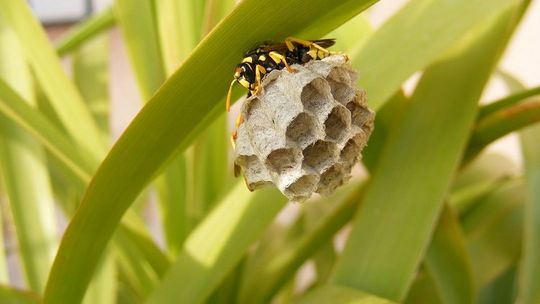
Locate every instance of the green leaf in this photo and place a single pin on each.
(272, 266)
(480, 178)
(352, 35)
(179, 25)
(211, 173)
(103, 287)
(218, 244)
(61, 92)
(9, 295)
(529, 271)
(84, 31)
(448, 262)
(493, 228)
(214, 11)
(170, 121)
(4, 276)
(137, 23)
(501, 123)
(341, 295)
(507, 102)
(24, 169)
(55, 141)
(502, 290)
(409, 184)
(14, 108)
(388, 117)
(91, 75)
(423, 290)
(417, 35)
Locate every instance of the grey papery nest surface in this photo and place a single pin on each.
(305, 131)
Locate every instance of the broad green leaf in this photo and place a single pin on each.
(480, 178)
(23, 166)
(179, 187)
(227, 292)
(175, 215)
(448, 262)
(529, 272)
(502, 290)
(493, 228)
(492, 207)
(505, 121)
(409, 184)
(416, 36)
(9, 295)
(61, 92)
(387, 118)
(211, 173)
(103, 287)
(272, 266)
(170, 121)
(135, 267)
(139, 28)
(217, 245)
(423, 290)
(90, 73)
(84, 31)
(341, 295)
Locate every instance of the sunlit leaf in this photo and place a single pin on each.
(408, 186)
(169, 122)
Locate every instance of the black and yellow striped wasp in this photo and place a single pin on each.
(274, 56)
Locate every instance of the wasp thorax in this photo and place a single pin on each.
(305, 131)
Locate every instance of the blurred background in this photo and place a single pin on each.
(521, 60)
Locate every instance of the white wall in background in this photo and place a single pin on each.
(60, 11)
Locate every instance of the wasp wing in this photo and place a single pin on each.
(282, 47)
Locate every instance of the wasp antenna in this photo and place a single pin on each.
(229, 95)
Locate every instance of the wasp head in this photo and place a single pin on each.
(244, 74)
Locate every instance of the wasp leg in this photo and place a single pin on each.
(259, 72)
(277, 57)
(238, 122)
(229, 96)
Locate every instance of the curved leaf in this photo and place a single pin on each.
(170, 121)
(409, 183)
(85, 30)
(217, 244)
(61, 92)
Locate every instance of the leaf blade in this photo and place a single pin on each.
(372, 244)
(165, 126)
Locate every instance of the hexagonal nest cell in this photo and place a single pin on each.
(305, 131)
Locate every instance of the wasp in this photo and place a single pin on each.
(274, 56)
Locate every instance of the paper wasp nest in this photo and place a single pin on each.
(305, 131)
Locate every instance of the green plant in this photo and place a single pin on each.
(435, 221)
